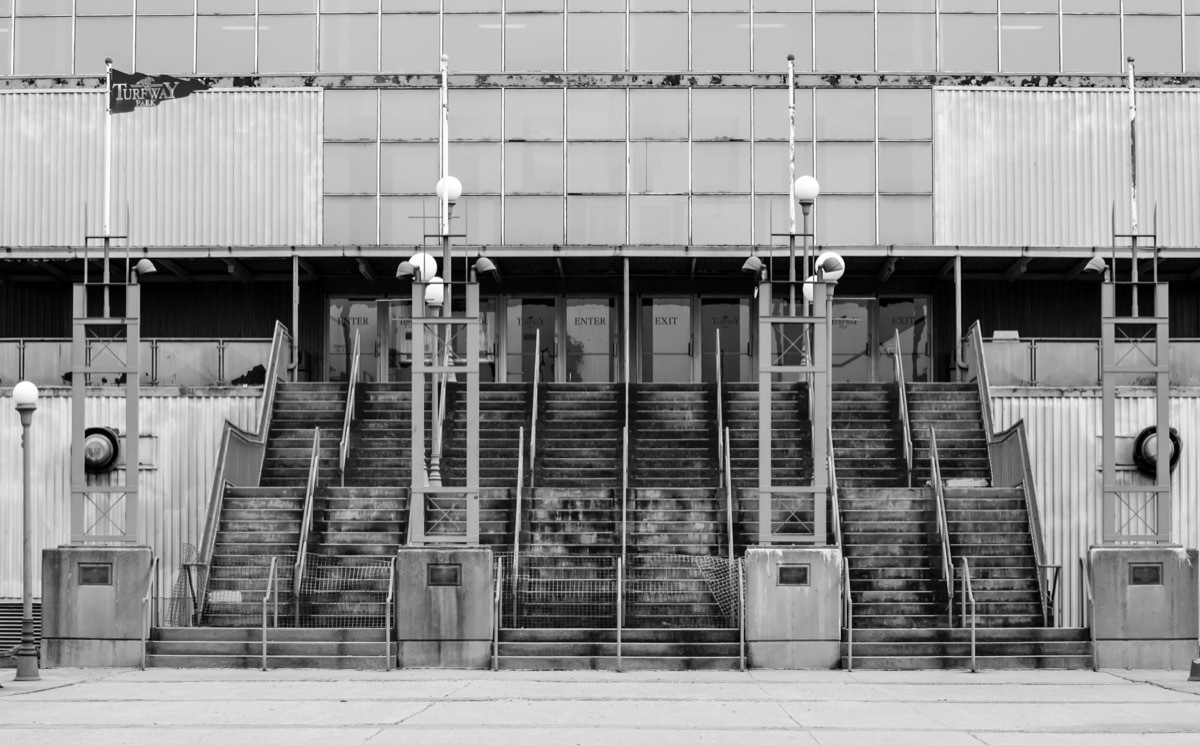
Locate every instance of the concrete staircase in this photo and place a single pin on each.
(199, 647)
(381, 436)
(299, 408)
(673, 443)
(503, 410)
(689, 521)
(579, 435)
(596, 649)
(867, 441)
(996, 649)
(575, 522)
(953, 411)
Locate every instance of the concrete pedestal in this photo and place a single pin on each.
(92, 611)
(1145, 606)
(444, 607)
(793, 608)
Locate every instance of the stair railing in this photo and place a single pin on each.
(624, 486)
(239, 460)
(344, 447)
(741, 615)
(1087, 609)
(498, 610)
(941, 525)
(968, 600)
(307, 520)
(620, 605)
(902, 392)
(517, 518)
(720, 409)
(149, 608)
(389, 658)
(533, 417)
(835, 505)
(272, 589)
(728, 477)
(848, 613)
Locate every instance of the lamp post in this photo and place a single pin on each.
(806, 190)
(25, 396)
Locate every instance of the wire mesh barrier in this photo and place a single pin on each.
(183, 605)
(341, 592)
(236, 585)
(547, 592)
(671, 591)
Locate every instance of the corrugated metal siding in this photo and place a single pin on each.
(1046, 167)
(1064, 430)
(234, 168)
(186, 430)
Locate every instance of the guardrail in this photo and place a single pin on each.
(741, 573)
(1087, 609)
(848, 613)
(306, 522)
(624, 487)
(728, 477)
(902, 389)
(272, 587)
(835, 506)
(941, 525)
(720, 406)
(391, 599)
(1076, 362)
(517, 518)
(620, 605)
(149, 607)
(533, 415)
(498, 612)
(968, 599)
(348, 417)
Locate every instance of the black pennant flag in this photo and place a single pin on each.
(129, 91)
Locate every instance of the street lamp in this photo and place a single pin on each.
(25, 396)
(806, 189)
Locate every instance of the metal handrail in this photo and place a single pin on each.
(833, 492)
(272, 587)
(624, 486)
(348, 417)
(968, 598)
(391, 597)
(497, 609)
(1086, 607)
(975, 346)
(149, 607)
(620, 605)
(720, 408)
(306, 522)
(517, 517)
(848, 613)
(942, 526)
(728, 498)
(902, 391)
(741, 615)
(533, 416)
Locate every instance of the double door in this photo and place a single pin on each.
(683, 339)
(568, 339)
(865, 331)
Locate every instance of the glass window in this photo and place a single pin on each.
(225, 44)
(826, 5)
(771, 165)
(720, 42)
(410, 168)
(43, 46)
(349, 6)
(44, 7)
(413, 43)
(349, 43)
(595, 167)
(533, 220)
(776, 35)
(845, 114)
(1091, 44)
(721, 221)
(1030, 43)
(350, 114)
(349, 221)
(846, 167)
(641, 5)
(707, 5)
(1162, 7)
(287, 43)
(771, 216)
(845, 42)
(906, 220)
(512, 5)
(477, 165)
(968, 6)
(719, 114)
(475, 114)
(533, 42)
(349, 168)
(720, 167)
(97, 38)
(531, 114)
(292, 6)
(783, 4)
(658, 115)
(472, 41)
(89, 7)
(595, 220)
(596, 5)
(845, 220)
(533, 168)
(455, 5)
(5, 42)
(1191, 29)
(968, 43)
(906, 167)
(907, 42)
(905, 113)
(164, 44)
(658, 220)
(410, 114)
(226, 6)
(658, 42)
(1091, 6)
(886, 5)
(596, 42)
(1154, 43)
(166, 6)
(482, 218)
(596, 114)
(400, 223)
(658, 167)
(771, 114)
(1029, 6)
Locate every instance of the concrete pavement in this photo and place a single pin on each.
(230, 707)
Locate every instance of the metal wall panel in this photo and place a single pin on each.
(226, 168)
(1017, 167)
(1064, 428)
(181, 434)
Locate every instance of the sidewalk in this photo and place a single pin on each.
(230, 707)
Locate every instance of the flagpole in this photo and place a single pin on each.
(107, 178)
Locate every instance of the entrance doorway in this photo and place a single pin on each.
(864, 339)
(571, 339)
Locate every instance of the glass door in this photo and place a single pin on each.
(666, 340)
(347, 315)
(853, 361)
(531, 337)
(730, 316)
(910, 317)
(591, 340)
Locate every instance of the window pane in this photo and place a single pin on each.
(165, 6)
(349, 221)
(350, 114)
(1191, 29)
(845, 42)
(905, 114)
(349, 43)
(410, 114)
(595, 167)
(846, 167)
(164, 44)
(907, 43)
(225, 44)
(721, 167)
(658, 167)
(5, 45)
(596, 42)
(533, 220)
(706, 5)
(472, 41)
(89, 7)
(287, 43)
(482, 217)
(976, 6)
(596, 220)
(827, 5)
(475, 114)
(782, 5)
(658, 115)
(968, 43)
(771, 114)
(776, 35)
(477, 165)
(639, 5)
(658, 220)
(720, 114)
(721, 42)
(1091, 6)
(1029, 6)
(596, 5)
(1154, 43)
(533, 114)
(97, 38)
(906, 220)
(846, 221)
(452, 5)
(399, 223)
(349, 6)
(226, 6)
(1091, 44)
(533, 168)
(43, 46)
(771, 216)
(771, 165)
(512, 5)
(349, 168)
(412, 43)
(1167, 7)
(289, 6)
(44, 7)
(906, 167)
(721, 221)
(534, 42)
(886, 5)
(658, 42)
(410, 168)
(596, 114)
(845, 114)
(1030, 43)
